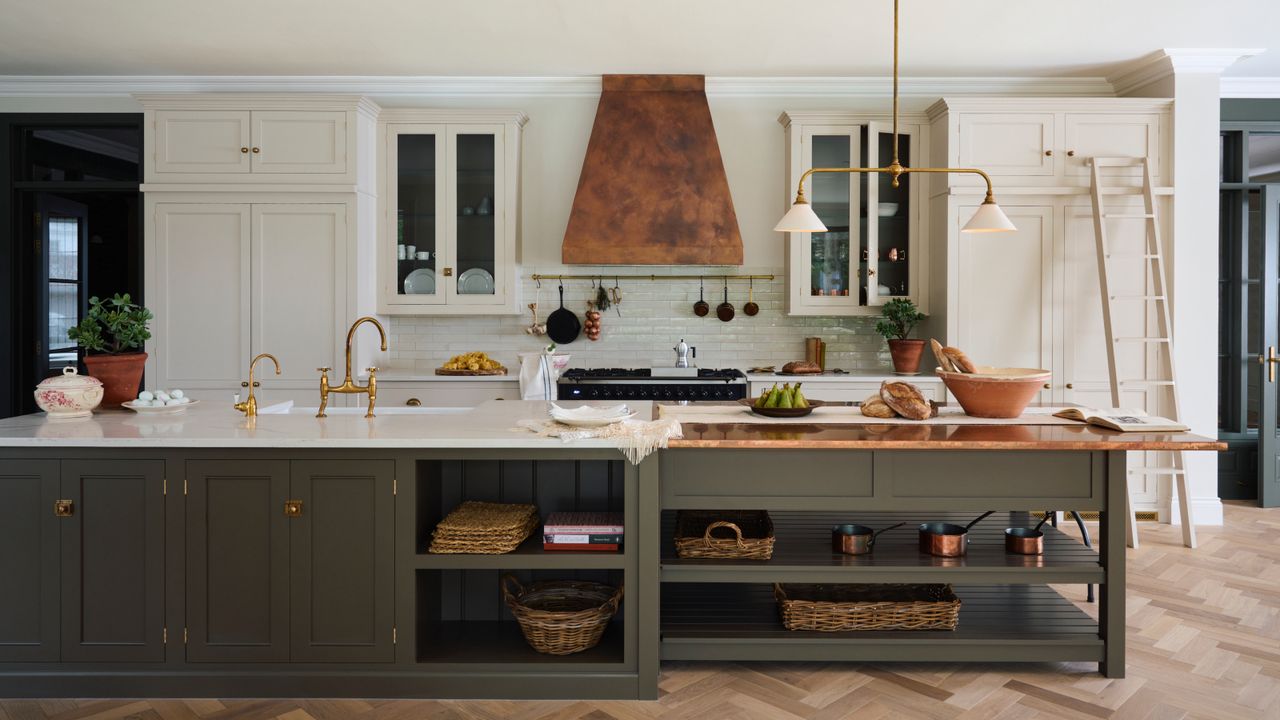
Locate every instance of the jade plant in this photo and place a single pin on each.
(898, 318)
(112, 326)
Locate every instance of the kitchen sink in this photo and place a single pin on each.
(288, 408)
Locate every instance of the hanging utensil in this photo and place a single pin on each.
(701, 308)
(945, 539)
(616, 296)
(563, 326)
(1026, 541)
(751, 308)
(724, 310)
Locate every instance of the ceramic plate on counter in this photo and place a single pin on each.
(158, 409)
(420, 282)
(475, 281)
(588, 417)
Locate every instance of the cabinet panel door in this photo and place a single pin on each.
(200, 295)
(310, 142)
(237, 561)
(200, 141)
(342, 559)
(826, 270)
(113, 561)
(1089, 135)
(29, 557)
(1012, 144)
(1003, 298)
(476, 266)
(299, 288)
(413, 200)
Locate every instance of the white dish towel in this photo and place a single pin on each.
(537, 377)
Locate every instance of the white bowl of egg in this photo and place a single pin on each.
(160, 402)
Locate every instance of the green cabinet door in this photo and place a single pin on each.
(342, 545)
(28, 561)
(113, 561)
(237, 561)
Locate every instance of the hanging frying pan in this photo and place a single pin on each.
(562, 325)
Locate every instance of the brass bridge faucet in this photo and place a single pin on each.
(250, 407)
(347, 385)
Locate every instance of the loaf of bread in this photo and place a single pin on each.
(960, 360)
(944, 362)
(876, 408)
(801, 366)
(905, 399)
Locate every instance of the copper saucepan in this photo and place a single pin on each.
(946, 539)
(853, 539)
(1025, 541)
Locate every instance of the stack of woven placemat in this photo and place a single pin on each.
(484, 528)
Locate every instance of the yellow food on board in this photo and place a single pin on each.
(472, 361)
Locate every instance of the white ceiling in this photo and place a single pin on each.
(587, 37)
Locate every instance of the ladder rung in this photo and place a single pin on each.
(1135, 216)
(1137, 297)
(1143, 339)
(1114, 256)
(1117, 161)
(1156, 471)
(1139, 381)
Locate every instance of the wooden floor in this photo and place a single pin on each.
(1204, 642)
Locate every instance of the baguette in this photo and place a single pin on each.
(940, 355)
(905, 399)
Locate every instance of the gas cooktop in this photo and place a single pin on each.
(661, 374)
(684, 384)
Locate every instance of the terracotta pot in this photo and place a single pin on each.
(120, 375)
(906, 355)
(995, 392)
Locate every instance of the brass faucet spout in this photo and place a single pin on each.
(250, 406)
(348, 385)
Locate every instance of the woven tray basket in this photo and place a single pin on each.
(838, 608)
(561, 618)
(484, 528)
(747, 534)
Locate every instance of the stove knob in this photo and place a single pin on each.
(706, 393)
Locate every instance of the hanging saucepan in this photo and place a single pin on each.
(1026, 541)
(855, 539)
(562, 325)
(751, 308)
(946, 539)
(724, 310)
(701, 308)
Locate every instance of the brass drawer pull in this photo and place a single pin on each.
(293, 508)
(64, 508)
(413, 402)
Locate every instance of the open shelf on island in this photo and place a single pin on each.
(802, 553)
(480, 641)
(529, 555)
(725, 621)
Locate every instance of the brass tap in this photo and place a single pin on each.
(347, 385)
(250, 407)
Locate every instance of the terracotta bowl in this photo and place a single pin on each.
(995, 392)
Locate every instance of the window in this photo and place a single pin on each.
(64, 258)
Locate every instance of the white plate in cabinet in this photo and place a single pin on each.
(203, 141)
(1087, 135)
(1006, 144)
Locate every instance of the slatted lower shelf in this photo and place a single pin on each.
(729, 621)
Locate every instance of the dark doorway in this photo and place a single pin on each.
(72, 230)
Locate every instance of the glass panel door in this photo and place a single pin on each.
(63, 237)
(1269, 315)
(832, 280)
(415, 159)
(887, 246)
(474, 272)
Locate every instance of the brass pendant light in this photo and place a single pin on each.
(802, 218)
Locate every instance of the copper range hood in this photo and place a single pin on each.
(653, 189)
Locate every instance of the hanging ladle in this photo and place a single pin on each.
(751, 308)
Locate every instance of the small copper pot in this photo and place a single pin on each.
(855, 539)
(945, 539)
(1025, 541)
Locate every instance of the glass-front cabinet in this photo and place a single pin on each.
(449, 198)
(869, 252)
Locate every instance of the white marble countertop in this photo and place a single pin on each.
(218, 425)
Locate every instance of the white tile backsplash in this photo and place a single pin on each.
(653, 316)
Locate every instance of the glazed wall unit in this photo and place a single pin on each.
(259, 233)
(449, 184)
(1030, 298)
(872, 250)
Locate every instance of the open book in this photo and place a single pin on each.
(1122, 419)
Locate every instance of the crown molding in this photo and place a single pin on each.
(581, 86)
(1250, 87)
(1167, 62)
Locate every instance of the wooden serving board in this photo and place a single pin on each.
(442, 371)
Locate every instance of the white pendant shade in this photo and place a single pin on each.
(988, 218)
(802, 218)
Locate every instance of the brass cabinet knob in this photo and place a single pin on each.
(244, 149)
(448, 272)
(1070, 153)
(293, 508)
(1070, 386)
(256, 151)
(1048, 153)
(1046, 386)
(413, 402)
(64, 508)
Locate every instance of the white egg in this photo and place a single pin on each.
(173, 401)
(146, 395)
(177, 394)
(140, 402)
(183, 400)
(162, 395)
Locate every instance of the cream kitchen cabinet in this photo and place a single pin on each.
(446, 393)
(1030, 142)
(228, 280)
(237, 139)
(871, 251)
(449, 212)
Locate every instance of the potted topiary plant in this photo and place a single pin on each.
(108, 333)
(898, 318)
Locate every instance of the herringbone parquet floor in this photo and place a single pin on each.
(1204, 642)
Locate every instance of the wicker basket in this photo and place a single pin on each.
(561, 618)
(752, 537)
(484, 528)
(838, 608)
